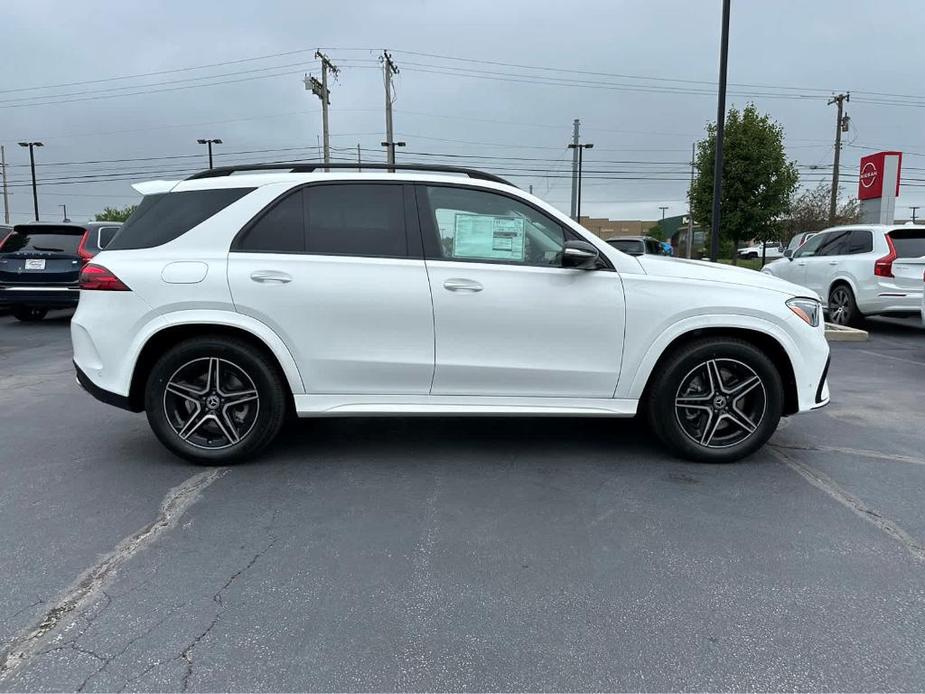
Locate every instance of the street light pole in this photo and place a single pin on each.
(210, 142)
(720, 131)
(35, 192)
(580, 148)
(914, 208)
(64, 207)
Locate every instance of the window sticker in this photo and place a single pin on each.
(487, 236)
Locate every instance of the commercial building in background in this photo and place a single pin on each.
(674, 230)
(612, 228)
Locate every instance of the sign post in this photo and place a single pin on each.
(878, 187)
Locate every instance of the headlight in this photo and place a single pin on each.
(808, 309)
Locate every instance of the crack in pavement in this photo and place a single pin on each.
(860, 452)
(842, 496)
(187, 654)
(92, 582)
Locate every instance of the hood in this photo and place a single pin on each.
(717, 272)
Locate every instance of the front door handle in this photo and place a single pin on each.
(458, 284)
(271, 277)
(833, 262)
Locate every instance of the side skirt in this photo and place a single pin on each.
(459, 405)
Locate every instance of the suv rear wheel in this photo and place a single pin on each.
(716, 400)
(843, 309)
(215, 400)
(29, 314)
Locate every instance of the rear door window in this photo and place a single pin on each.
(280, 229)
(166, 216)
(835, 243)
(361, 219)
(909, 243)
(860, 241)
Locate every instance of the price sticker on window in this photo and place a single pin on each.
(488, 237)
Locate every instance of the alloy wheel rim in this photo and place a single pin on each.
(211, 403)
(720, 403)
(839, 304)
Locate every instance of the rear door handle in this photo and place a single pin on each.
(271, 277)
(457, 284)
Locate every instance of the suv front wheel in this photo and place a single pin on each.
(215, 400)
(716, 400)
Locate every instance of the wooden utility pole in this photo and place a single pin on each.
(6, 195)
(839, 124)
(320, 89)
(389, 69)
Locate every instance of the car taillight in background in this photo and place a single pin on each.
(97, 278)
(3, 240)
(82, 252)
(884, 266)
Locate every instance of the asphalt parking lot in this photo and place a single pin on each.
(474, 554)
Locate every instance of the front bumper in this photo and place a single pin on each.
(44, 296)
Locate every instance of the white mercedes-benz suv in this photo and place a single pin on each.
(240, 295)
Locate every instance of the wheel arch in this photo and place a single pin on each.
(167, 336)
(766, 342)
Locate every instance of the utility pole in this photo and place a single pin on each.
(65, 213)
(913, 208)
(576, 126)
(531, 191)
(840, 124)
(690, 203)
(720, 132)
(320, 89)
(35, 193)
(210, 142)
(663, 208)
(6, 195)
(580, 149)
(359, 160)
(389, 69)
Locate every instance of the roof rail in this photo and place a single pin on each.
(302, 167)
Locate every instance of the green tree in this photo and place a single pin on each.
(656, 232)
(809, 210)
(758, 180)
(115, 214)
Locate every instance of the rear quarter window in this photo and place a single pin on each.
(166, 216)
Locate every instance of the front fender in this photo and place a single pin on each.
(633, 387)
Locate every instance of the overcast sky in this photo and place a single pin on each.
(655, 61)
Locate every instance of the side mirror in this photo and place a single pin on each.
(788, 253)
(580, 255)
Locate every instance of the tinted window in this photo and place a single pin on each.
(106, 235)
(279, 229)
(356, 219)
(811, 247)
(163, 217)
(480, 226)
(653, 247)
(860, 241)
(48, 240)
(630, 246)
(909, 243)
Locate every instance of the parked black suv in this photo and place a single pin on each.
(40, 263)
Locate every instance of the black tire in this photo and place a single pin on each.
(29, 314)
(683, 376)
(242, 370)
(843, 309)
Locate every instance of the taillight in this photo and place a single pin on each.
(82, 252)
(3, 240)
(884, 266)
(97, 278)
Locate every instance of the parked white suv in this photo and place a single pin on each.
(227, 301)
(862, 270)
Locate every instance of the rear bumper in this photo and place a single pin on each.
(46, 296)
(102, 395)
(888, 299)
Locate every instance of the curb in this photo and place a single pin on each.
(841, 333)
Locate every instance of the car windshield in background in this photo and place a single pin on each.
(165, 216)
(56, 240)
(630, 246)
(909, 243)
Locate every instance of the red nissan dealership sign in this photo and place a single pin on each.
(870, 183)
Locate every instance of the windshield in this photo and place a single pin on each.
(630, 246)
